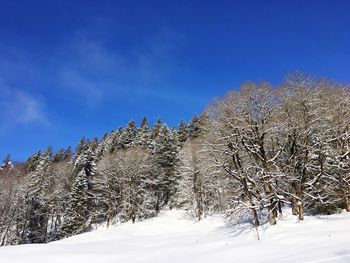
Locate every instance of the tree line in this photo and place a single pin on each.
(249, 154)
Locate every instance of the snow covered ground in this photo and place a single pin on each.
(173, 237)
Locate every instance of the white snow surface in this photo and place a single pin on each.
(174, 237)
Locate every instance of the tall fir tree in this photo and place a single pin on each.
(182, 133)
(194, 127)
(75, 220)
(129, 135)
(142, 140)
(165, 154)
(78, 215)
(36, 217)
(154, 132)
(33, 161)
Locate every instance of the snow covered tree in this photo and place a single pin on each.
(76, 218)
(57, 192)
(108, 188)
(135, 181)
(243, 124)
(109, 143)
(201, 186)
(6, 162)
(154, 132)
(339, 176)
(194, 127)
(33, 161)
(82, 146)
(330, 160)
(58, 156)
(128, 185)
(182, 133)
(128, 136)
(35, 219)
(305, 126)
(142, 140)
(78, 215)
(165, 158)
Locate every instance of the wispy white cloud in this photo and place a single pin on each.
(20, 108)
(82, 86)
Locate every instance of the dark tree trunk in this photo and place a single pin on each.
(295, 210)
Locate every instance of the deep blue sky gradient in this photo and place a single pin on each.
(79, 68)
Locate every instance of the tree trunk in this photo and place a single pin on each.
(301, 211)
(301, 203)
(295, 210)
(280, 207)
(272, 207)
(347, 203)
(255, 218)
(108, 221)
(272, 215)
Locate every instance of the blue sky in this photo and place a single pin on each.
(79, 68)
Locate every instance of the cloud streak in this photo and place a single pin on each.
(20, 108)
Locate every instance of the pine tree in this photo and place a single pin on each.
(154, 132)
(67, 156)
(7, 161)
(6, 164)
(129, 135)
(108, 143)
(182, 133)
(165, 154)
(36, 216)
(118, 141)
(58, 156)
(75, 221)
(48, 153)
(142, 140)
(78, 216)
(81, 148)
(33, 161)
(194, 127)
(94, 144)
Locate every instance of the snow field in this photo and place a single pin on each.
(174, 237)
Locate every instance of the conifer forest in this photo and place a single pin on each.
(250, 153)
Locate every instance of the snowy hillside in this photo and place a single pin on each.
(173, 237)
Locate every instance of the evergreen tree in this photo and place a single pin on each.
(33, 161)
(81, 147)
(61, 155)
(154, 132)
(182, 133)
(48, 153)
(36, 217)
(78, 216)
(117, 142)
(129, 135)
(142, 139)
(6, 162)
(108, 143)
(94, 144)
(67, 156)
(76, 219)
(37, 178)
(165, 154)
(194, 128)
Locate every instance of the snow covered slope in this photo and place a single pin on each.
(172, 237)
